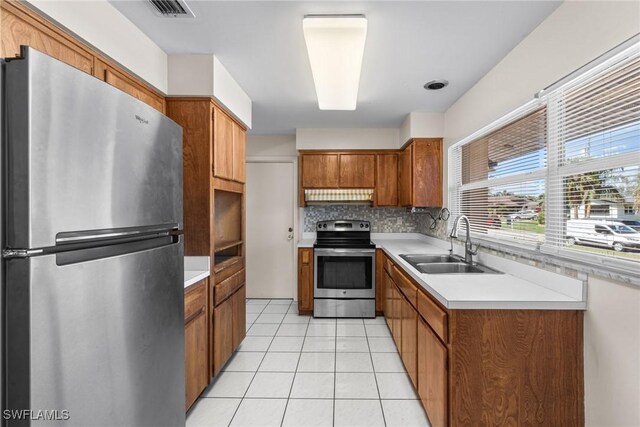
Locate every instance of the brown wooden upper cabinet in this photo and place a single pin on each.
(222, 145)
(22, 26)
(239, 150)
(420, 173)
(338, 170)
(126, 84)
(229, 147)
(386, 179)
(319, 170)
(357, 171)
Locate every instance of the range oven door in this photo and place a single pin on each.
(344, 273)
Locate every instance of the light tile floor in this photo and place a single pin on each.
(297, 371)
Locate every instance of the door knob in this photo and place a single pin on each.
(290, 237)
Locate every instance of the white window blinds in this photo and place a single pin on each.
(563, 171)
(498, 180)
(593, 201)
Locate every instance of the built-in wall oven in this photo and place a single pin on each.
(344, 270)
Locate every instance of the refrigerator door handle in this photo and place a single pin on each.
(21, 253)
(116, 233)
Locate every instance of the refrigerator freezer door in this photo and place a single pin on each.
(103, 339)
(83, 155)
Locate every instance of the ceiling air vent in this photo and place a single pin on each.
(172, 8)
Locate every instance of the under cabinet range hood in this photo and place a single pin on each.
(339, 196)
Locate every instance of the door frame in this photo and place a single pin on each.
(294, 187)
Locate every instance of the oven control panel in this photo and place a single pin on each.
(343, 225)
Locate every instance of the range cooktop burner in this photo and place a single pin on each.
(343, 234)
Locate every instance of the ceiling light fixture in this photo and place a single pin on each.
(335, 44)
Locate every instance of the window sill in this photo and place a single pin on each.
(577, 265)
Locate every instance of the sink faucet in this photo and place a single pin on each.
(469, 252)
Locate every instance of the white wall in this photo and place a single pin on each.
(574, 34)
(612, 354)
(422, 125)
(104, 27)
(271, 146)
(204, 75)
(347, 139)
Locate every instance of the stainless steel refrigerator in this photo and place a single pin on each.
(93, 257)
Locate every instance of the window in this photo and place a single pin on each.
(561, 170)
(499, 182)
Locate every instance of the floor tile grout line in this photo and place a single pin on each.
(252, 378)
(375, 377)
(286, 405)
(335, 373)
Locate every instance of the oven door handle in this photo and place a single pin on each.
(342, 251)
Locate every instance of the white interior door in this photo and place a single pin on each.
(270, 205)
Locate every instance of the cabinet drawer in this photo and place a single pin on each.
(434, 315)
(195, 301)
(388, 265)
(408, 289)
(226, 288)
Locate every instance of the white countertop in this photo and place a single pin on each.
(306, 242)
(486, 291)
(196, 268)
(541, 290)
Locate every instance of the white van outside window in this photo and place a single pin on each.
(610, 234)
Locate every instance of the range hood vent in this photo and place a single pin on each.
(172, 8)
(338, 196)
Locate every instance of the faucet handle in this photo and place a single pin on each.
(474, 251)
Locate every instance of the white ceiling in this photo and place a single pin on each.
(408, 43)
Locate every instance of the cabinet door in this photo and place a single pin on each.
(20, 28)
(427, 173)
(222, 334)
(404, 177)
(239, 302)
(196, 341)
(119, 80)
(319, 170)
(305, 280)
(196, 358)
(222, 145)
(379, 281)
(357, 171)
(432, 375)
(409, 340)
(388, 300)
(239, 149)
(387, 180)
(397, 317)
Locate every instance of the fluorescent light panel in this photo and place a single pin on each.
(335, 45)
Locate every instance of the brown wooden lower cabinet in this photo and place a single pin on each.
(305, 280)
(229, 327)
(409, 339)
(239, 316)
(196, 341)
(388, 299)
(397, 317)
(222, 334)
(432, 374)
(379, 281)
(489, 367)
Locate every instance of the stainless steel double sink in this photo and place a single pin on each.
(444, 264)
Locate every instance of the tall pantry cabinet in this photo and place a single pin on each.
(214, 214)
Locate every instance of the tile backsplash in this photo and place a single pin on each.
(383, 220)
